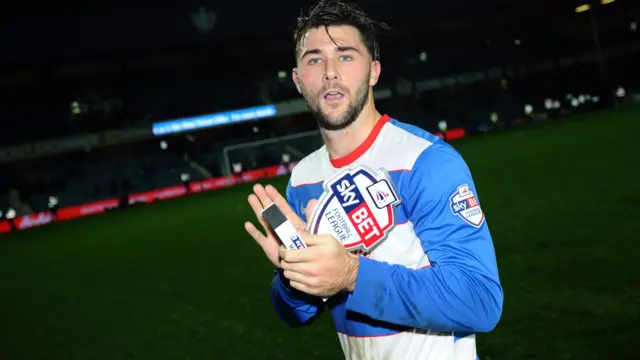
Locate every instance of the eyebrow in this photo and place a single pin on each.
(338, 49)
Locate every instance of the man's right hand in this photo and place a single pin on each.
(262, 198)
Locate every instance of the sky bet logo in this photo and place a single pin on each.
(357, 207)
(464, 204)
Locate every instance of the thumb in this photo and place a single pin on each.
(310, 207)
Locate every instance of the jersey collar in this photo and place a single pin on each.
(362, 148)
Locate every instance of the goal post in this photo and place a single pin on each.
(269, 152)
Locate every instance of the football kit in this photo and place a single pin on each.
(427, 280)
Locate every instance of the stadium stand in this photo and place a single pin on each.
(456, 87)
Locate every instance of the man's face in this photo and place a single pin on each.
(334, 75)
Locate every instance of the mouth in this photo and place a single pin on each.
(333, 95)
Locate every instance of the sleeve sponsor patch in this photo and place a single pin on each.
(464, 203)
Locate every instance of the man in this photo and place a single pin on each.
(432, 283)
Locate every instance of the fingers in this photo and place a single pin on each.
(310, 206)
(298, 281)
(298, 256)
(300, 287)
(294, 276)
(283, 205)
(256, 234)
(258, 202)
(307, 269)
(281, 251)
(313, 240)
(256, 206)
(262, 195)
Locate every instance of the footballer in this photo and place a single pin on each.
(431, 283)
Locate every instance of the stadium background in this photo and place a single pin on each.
(117, 105)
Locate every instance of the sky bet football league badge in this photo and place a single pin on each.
(464, 203)
(357, 207)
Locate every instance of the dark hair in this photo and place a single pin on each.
(336, 13)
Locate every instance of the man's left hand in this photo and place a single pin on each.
(324, 268)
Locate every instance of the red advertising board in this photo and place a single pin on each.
(99, 207)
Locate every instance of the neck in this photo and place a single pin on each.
(341, 143)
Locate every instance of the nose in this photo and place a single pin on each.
(331, 71)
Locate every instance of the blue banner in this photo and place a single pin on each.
(212, 120)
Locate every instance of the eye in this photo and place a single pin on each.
(314, 61)
(345, 57)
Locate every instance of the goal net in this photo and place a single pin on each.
(269, 152)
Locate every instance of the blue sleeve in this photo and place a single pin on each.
(292, 306)
(461, 289)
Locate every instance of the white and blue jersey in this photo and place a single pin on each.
(432, 283)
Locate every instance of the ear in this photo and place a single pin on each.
(296, 79)
(375, 73)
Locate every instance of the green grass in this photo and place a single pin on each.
(181, 279)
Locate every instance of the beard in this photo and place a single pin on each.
(347, 117)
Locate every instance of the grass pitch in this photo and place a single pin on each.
(182, 280)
